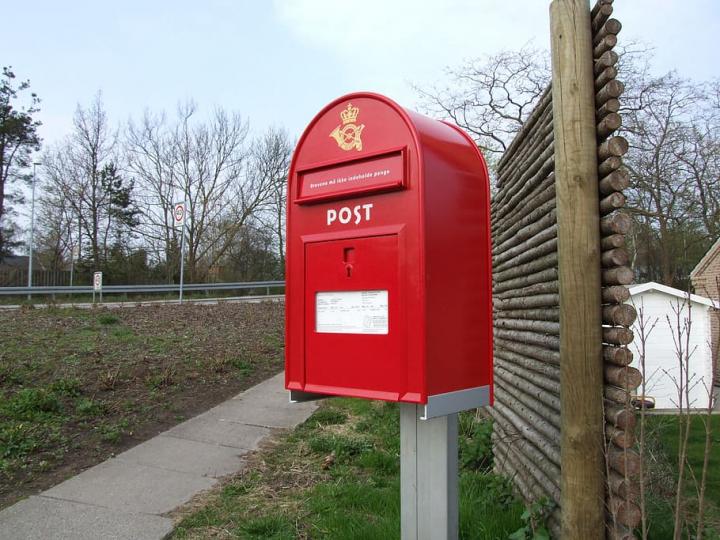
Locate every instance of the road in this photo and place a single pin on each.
(201, 301)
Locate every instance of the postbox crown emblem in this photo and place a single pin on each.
(348, 133)
(350, 114)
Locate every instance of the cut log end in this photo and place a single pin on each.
(615, 146)
(620, 416)
(622, 275)
(625, 512)
(616, 223)
(606, 44)
(615, 294)
(620, 437)
(619, 356)
(612, 90)
(609, 165)
(616, 256)
(612, 202)
(623, 376)
(619, 315)
(612, 242)
(615, 181)
(608, 125)
(617, 335)
(625, 462)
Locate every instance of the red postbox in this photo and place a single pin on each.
(388, 260)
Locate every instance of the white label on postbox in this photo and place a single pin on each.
(351, 312)
(347, 214)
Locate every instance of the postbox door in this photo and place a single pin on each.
(354, 337)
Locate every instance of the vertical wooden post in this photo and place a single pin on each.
(581, 380)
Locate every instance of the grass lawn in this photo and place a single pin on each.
(337, 476)
(663, 445)
(77, 386)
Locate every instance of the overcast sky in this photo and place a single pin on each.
(278, 62)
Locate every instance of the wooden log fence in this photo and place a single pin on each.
(530, 288)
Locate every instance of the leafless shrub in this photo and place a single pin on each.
(109, 379)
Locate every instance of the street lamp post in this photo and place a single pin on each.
(32, 230)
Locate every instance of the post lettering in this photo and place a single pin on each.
(345, 214)
(331, 216)
(367, 208)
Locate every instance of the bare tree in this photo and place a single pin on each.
(150, 158)
(206, 164)
(660, 195)
(54, 234)
(674, 163)
(670, 122)
(699, 157)
(82, 173)
(270, 161)
(491, 97)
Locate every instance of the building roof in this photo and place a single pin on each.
(652, 286)
(713, 252)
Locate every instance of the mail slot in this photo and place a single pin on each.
(388, 278)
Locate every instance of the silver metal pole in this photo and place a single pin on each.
(182, 259)
(428, 475)
(32, 232)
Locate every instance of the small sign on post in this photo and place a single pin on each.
(179, 213)
(97, 285)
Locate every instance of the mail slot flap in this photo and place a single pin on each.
(383, 171)
(352, 309)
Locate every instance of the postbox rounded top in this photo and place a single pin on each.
(364, 124)
(387, 211)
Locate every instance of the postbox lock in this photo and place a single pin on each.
(348, 259)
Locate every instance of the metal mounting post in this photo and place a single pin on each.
(428, 475)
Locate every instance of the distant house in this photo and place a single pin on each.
(19, 262)
(705, 278)
(662, 367)
(14, 261)
(13, 270)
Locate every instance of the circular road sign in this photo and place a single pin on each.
(179, 213)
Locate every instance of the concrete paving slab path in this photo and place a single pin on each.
(52, 519)
(127, 497)
(213, 428)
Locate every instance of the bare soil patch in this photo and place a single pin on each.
(79, 386)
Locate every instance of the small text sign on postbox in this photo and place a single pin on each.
(388, 260)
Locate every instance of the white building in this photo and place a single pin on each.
(659, 306)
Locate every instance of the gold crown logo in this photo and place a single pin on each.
(350, 114)
(348, 133)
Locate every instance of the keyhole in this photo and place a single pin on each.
(348, 259)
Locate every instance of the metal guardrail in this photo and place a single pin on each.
(141, 289)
